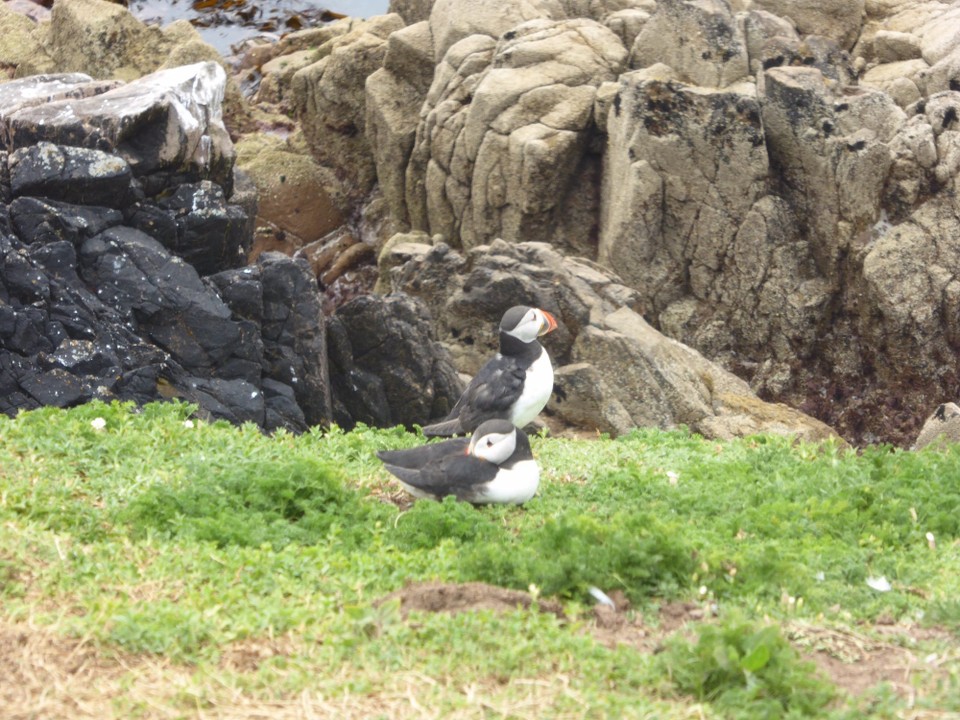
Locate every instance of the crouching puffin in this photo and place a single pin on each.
(494, 466)
(513, 385)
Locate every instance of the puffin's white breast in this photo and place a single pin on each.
(536, 391)
(516, 485)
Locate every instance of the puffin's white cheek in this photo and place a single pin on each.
(500, 450)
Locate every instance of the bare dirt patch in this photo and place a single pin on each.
(906, 657)
(462, 597)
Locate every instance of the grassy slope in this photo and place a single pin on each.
(151, 538)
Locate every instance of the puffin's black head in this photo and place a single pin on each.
(527, 323)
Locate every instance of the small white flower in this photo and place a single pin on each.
(188, 424)
(98, 423)
(931, 541)
(703, 589)
(672, 477)
(880, 584)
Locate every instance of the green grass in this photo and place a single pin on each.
(160, 536)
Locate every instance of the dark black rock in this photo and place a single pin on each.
(5, 194)
(242, 291)
(70, 174)
(56, 387)
(211, 235)
(101, 257)
(85, 357)
(294, 333)
(154, 221)
(168, 301)
(21, 277)
(237, 401)
(281, 408)
(38, 220)
(387, 352)
(358, 395)
(23, 328)
(12, 397)
(143, 384)
(279, 297)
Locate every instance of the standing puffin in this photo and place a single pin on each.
(513, 385)
(494, 466)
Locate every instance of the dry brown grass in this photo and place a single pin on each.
(50, 677)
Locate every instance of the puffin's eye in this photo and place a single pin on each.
(489, 442)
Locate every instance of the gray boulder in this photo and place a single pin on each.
(941, 429)
(41, 89)
(169, 121)
(701, 41)
(836, 19)
(662, 383)
(663, 150)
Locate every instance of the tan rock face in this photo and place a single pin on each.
(329, 100)
(836, 19)
(21, 46)
(292, 189)
(502, 149)
(701, 41)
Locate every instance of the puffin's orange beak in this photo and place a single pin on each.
(551, 323)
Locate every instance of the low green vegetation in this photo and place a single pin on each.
(150, 535)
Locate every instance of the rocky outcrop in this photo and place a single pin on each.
(614, 371)
(123, 272)
(773, 182)
(792, 227)
(106, 236)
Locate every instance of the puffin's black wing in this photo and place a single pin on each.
(489, 396)
(457, 475)
(492, 392)
(420, 456)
